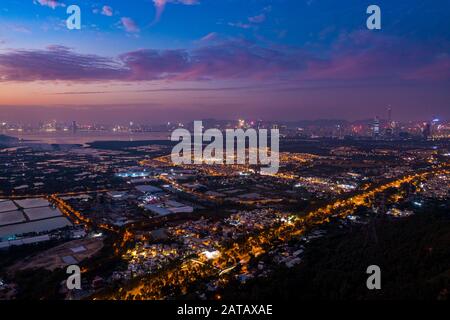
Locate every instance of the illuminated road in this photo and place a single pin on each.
(77, 216)
(65, 194)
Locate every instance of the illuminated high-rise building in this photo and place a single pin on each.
(376, 127)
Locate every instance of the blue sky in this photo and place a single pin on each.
(290, 22)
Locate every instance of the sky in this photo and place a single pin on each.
(152, 61)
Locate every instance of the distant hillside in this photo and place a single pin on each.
(8, 139)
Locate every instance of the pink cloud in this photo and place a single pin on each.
(129, 25)
(50, 3)
(160, 5)
(107, 11)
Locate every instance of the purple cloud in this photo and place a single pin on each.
(364, 55)
(151, 64)
(360, 56)
(438, 70)
(240, 60)
(57, 63)
(129, 25)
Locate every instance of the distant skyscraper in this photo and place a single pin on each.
(74, 127)
(260, 124)
(376, 127)
(389, 129)
(434, 126)
(426, 131)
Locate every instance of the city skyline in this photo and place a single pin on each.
(269, 60)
